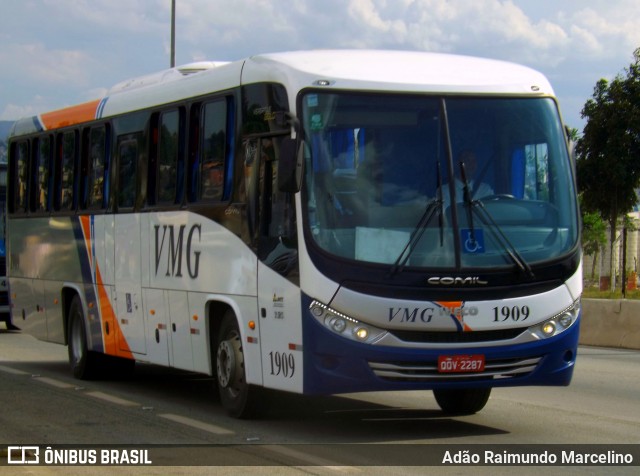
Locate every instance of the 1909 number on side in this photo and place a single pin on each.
(282, 364)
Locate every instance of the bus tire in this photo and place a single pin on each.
(239, 399)
(82, 361)
(464, 401)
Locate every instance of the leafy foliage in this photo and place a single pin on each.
(593, 233)
(608, 168)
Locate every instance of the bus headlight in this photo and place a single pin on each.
(344, 325)
(558, 323)
(361, 333)
(549, 328)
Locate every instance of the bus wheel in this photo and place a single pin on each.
(238, 398)
(83, 362)
(465, 401)
(7, 320)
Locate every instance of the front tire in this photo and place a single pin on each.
(465, 401)
(238, 398)
(7, 320)
(83, 362)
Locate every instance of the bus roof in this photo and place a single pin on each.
(367, 70)
(404, 71)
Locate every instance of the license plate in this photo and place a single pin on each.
(460, 363)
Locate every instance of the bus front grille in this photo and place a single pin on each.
(456, 337)
(422, 372)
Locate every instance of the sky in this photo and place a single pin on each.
(56, 53)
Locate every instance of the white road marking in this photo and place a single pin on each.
(218, 430)
(310, 460)
(9, 370)
(54, 382)
(215, 429)
(112, 399)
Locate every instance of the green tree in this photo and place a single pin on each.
(608, 165)
(573, 134)
(594, 236)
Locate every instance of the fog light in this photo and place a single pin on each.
(362, 333)
(565, 320)
(549, 328)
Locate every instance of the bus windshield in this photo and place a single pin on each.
(437, 182)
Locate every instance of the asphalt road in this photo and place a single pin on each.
(43, 405)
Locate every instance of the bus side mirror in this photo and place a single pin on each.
(290, 165)
(572, 136)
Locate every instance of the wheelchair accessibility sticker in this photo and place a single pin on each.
(472, 240)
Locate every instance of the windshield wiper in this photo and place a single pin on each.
(499, 235)
(489, 222)
(468, 201)
(433, 207)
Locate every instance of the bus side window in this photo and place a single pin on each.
(66, 159)
(277, 241)
(19, 177)
(169, 176)
(43, 173)
(127, 170)
(213, 150)
(97, 167)
(194, 152)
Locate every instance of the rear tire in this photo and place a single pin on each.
(465, 401)
(238, 398)
(83, 362)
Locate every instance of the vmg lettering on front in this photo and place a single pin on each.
(405, 314)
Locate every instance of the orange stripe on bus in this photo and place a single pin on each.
(70, 115)
(115, 342)
(85, 223)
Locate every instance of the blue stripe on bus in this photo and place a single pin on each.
(95, 326)
(100, 108)
(37, 124)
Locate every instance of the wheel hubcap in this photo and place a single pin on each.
(76, 341)
(226, 363)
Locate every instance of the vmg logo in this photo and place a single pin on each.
(172, 250)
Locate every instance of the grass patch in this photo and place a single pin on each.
(595, 293)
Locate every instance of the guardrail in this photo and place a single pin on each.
(610, 323)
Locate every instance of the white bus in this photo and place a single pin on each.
(316, 222)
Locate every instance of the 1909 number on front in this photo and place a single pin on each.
(513, 313)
